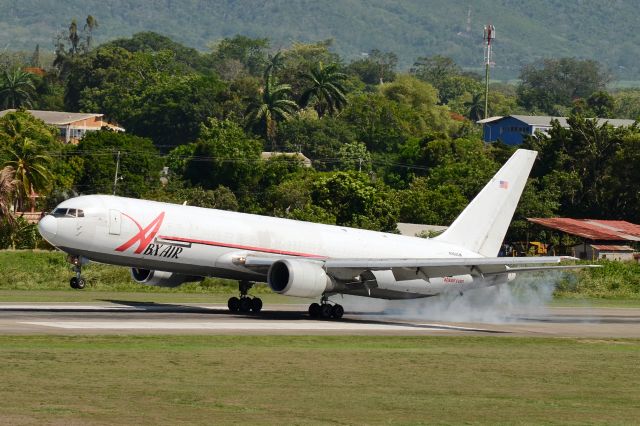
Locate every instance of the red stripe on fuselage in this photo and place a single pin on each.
(241, 247)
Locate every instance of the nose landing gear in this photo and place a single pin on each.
(78, 281)
(244, 303)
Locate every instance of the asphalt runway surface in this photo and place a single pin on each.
(123, 317)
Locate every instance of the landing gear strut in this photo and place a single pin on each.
(78, 281)
(244, 303)
(325, 310)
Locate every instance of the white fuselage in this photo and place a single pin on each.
(207, 242)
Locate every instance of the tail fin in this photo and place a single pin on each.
(481, 227)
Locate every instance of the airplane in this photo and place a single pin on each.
(170, 244)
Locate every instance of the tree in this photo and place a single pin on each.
(475, 107)
(271, 107)
(355, 201)
(32, 170)
(251, 53)
(549, 83)
(325, 89)
(26, 145)
(627, 104)
(74, 38)
(376, 68)
(601, 103)
(224, 155)
(579, 162)
(17, 89)
(435, 69)
(90, 24)
(320, 140)
(139, 168)
(8, 186)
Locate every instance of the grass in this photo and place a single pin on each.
(313, 380)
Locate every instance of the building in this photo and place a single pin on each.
(306, 161)
(601, 239)
(419, 230)
(72, 125)
(512, 129)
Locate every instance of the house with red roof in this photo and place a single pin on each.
(601, 239)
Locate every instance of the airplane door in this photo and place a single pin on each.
(115, 222)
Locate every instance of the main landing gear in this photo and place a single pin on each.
(78, 281)
(245, 303)
(325, 310)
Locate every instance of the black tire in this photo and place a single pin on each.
(73, 282)
(256, 304)
(314, 310)
(233, 304)
(326, 310)
(81, 283)
(245, 304)
(337, 311)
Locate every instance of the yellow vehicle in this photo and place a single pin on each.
(531, 248)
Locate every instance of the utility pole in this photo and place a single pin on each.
(115, 179)
(489, 36)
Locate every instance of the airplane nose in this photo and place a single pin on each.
(48, 227)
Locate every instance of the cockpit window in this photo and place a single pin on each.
(68, 213)
(59, 212)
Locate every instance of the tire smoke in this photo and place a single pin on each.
(527, 295)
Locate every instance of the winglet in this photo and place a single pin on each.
(481, 227)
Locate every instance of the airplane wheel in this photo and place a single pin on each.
(245, 304)
(337, 311)
(73, 282)
(80, 283)
(314, 310)
(256, 304)
(233, 304)
(325, 310)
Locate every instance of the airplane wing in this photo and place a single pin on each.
(404, 269)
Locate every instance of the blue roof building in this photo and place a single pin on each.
(512, 129)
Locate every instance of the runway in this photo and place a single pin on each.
(122, 317)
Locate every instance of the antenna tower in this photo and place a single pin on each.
(489, 37)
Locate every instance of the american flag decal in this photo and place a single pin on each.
(504, 184)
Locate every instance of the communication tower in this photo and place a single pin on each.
(489, 37)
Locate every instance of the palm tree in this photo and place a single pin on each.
(8, 186)
(16, 89)
(32, 173)
(475, 107)
(271, 107)
(326, 88)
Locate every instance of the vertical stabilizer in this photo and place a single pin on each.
(481, 227)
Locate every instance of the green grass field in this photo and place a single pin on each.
(317, 380)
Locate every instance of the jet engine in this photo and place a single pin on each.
(161, 278)
(299, 278)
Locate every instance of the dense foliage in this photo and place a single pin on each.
(526, 31)
(223, 129)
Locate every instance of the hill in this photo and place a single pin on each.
(603, 30)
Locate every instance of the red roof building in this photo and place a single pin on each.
(606, 238)
(592, 229)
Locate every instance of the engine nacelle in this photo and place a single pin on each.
(298, 278)
(161, 278)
